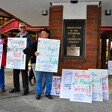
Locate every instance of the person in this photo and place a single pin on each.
(45, 33)
(31, 76)
(23, 34)
(3, 63)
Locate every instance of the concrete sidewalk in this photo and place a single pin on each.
(19, 103)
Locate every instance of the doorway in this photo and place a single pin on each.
(106, 45)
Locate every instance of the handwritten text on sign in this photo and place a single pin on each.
(1, 51)
(47, 60)
(97, 92)
(15, 57)
(66, 83)
(56, 81)
(105, 86)
(81, 87)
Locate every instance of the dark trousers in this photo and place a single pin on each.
(16, 73)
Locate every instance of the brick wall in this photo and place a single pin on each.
(92, 38)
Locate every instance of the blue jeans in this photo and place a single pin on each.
(2, 82)
(48, 80)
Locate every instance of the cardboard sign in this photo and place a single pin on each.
(110, 67)
(97, 91)
(47, 60)
(105, 86)
(81, 87)
(1, 52)
(16, 59)
(56, 85)
(66, 83)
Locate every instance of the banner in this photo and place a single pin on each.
(47, 60)
(1, 51)
(81, 86)
(66, 83)
(56, 83)
(110, 67)
(97, 92)
(105, 86)
(16, 59)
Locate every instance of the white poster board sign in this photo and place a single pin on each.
(56, 85)
(16, 59)
(105, 86)
(81, 87)
(97, 91)
(1, 52)
(47, 60)
(110, 67)
(66, 83)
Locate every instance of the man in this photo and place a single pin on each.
(45, 33)
(23, 34)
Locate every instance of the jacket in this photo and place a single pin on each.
(3, 58)
(32, 53)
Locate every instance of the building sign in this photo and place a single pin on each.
(74, 38)
(47, 60)
(16, 59)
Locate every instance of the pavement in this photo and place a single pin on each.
(18, 103)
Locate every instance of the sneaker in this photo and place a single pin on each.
(2, 90)
(14, 90)
(49, 96)
(38, 97)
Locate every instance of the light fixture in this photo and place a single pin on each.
(73, 1)
(44, 12)
(108, 12)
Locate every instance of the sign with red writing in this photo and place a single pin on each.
(105, 86)
(16, 59)
(81, 86)
(56, 81)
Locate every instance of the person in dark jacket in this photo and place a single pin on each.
(45, 33)
(23, 34)
(3, 63)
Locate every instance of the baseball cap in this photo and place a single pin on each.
(22, 25)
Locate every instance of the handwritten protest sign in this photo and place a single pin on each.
(81, 87)
(66, 83)
(1, 51)
(110, 67)
(47, 60)
(16, 59)
(97, 92)
(56, 83)
(105, 86)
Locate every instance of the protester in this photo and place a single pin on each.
(31, 77)
(45, 33)
(2, 77)
(23, 34)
